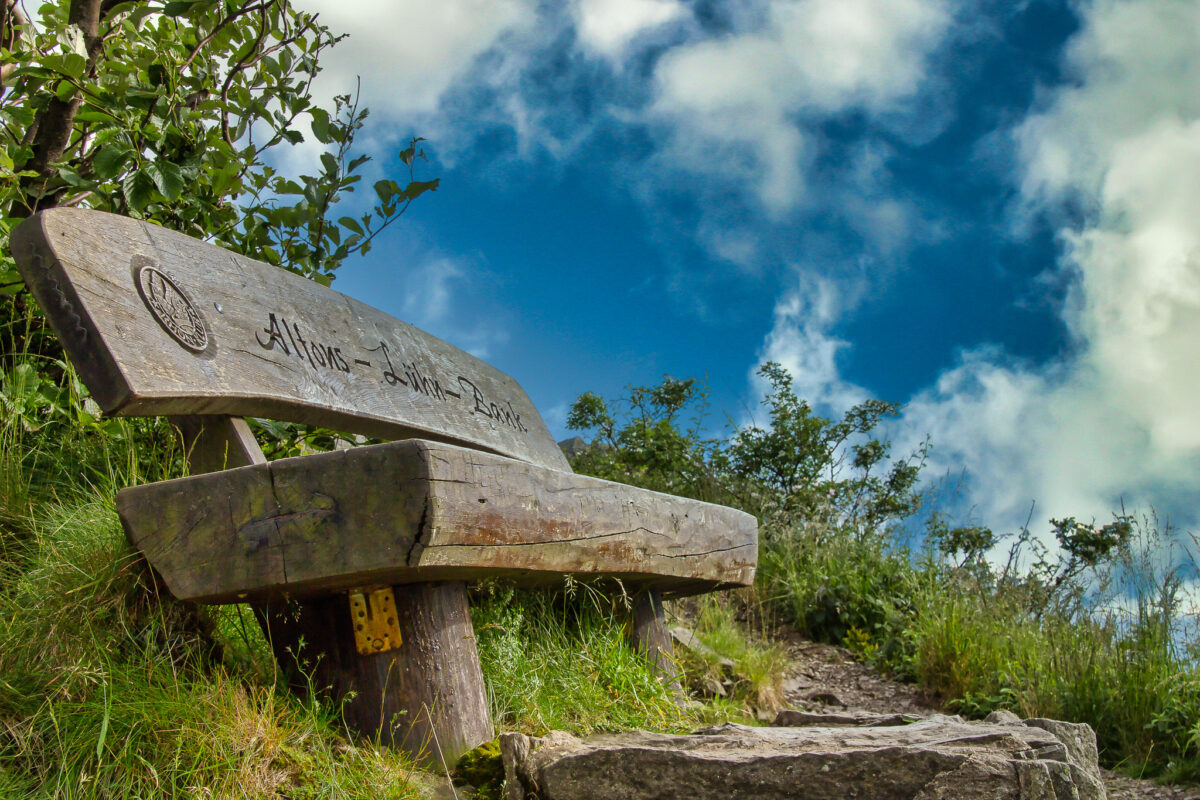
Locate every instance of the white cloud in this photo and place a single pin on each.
(1118, 418)
(408, 52)
(608, 26)
(801, 341)
(429, 294)
(1026, 436)
(1137, 64)
(754, 93)
(867, 53)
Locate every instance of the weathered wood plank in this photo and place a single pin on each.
(414, 511)
(426, 697)
(158, 323)
(219, 442)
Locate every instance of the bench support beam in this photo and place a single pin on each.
(649, 635)
(425, 697)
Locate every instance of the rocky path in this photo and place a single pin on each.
(825, 678)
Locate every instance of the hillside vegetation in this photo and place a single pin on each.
(1086, 621)
(111, 689)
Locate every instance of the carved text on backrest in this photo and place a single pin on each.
(390, 364)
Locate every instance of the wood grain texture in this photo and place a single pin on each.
(649, 635)
(255, 340)
(414, 511)
(217, 442)
(427, 697)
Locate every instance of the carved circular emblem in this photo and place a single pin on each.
(172, 308)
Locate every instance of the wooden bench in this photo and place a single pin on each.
(359, 554)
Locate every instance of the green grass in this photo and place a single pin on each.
(1105, 649)
(1120, 671)
(562, 661)
(108, 690)
(737, 654)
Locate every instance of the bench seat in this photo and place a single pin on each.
(416, 511)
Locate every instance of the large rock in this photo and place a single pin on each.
(937, 758)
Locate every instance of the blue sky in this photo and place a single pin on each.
(983, 209)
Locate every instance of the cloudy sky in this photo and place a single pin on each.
(984, 209)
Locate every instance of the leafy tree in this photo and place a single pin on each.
(807, 465)
(798, 465)
(648, 449)
(172, 112)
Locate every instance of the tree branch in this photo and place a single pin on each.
(55, 123)
(221, 26)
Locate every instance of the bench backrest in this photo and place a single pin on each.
(159, 323)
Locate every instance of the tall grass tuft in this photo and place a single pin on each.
(110, 691)
(562, 661)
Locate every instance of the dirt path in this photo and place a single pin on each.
(822, 677)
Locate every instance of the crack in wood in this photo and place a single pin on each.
(708, 552)
(553, 542)
(453, 480)
(423, 533)
(281, 365)
(282, 544)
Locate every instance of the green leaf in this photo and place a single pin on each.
(168, 177)
(140, 12)
(69, 64)
(330, 163)
(64, 91)
(109, 159)
(411, 153)
(95, 115)
(71, 40)
(418, 188)
(73, 178)
(179, 8)
(320, 125)
(138, 188)
(352, 224)
(385, 189)
(10, 281)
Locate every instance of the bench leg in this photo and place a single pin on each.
(426, 697)
(649, 635)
